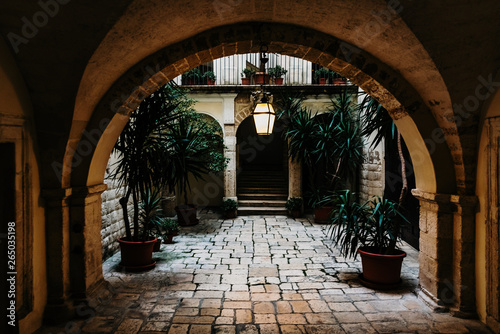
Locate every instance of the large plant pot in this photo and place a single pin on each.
(322, 214)
(261, 78)
(137, 255)
(278, 81)
(157, 245)
(245, 81)
(381, 271)
(210, 82)
(186, 215)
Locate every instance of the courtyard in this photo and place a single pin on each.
(259, 274)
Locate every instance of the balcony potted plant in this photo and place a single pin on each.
(210, 76)
(140, 171)
(277, 74)
(230, 208)
(246, 76)
(294, 206)
(192, 77)
(337, 79)
(322, 75)
(372, 229)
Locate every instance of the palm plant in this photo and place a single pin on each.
(143, 156)
(375, 225)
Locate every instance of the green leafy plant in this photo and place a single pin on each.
(294, 203)
(194, 73)
(144, 159)
(323, 73)
(277, 72)
(166, 226)
(209, 75)
(375, 224)
(229, 205)
(247, 72)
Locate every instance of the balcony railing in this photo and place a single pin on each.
(228, 70)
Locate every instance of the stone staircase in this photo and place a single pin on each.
(262, 193)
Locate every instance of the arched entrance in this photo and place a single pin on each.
(262, 169)
(435, 169)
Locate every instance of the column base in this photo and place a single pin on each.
(58, 313)
(432, 302)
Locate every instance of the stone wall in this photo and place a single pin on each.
(112, 219)
(371, 179)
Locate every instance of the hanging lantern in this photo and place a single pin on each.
(263, 117)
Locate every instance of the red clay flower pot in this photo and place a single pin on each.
(381, 271)
(339, 81)
(322, 214)
(169, 238)
(278, 81)
(322, 81)
(186, 214)
(245, 81)
(210, 82)
(156, 247)
(137, 255)
(261, 78)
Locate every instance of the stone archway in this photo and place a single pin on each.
(435, 170)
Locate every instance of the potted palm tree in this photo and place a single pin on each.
(141, 169)
(372, 229)
(246, 76)
(277, 74)
(329, 145)
(196, 149)
(230, 208)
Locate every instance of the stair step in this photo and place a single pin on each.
(262, 196)
(245, 211)
(262, 203)
(280, 191)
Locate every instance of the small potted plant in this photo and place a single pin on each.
(337, 79)
(322, 75)
(210, 76)
(323, 202)
(372, 229)
(246, 76)
(230, 208)
(168, 228)
(192, 77)
(294, 206)
(277, 74)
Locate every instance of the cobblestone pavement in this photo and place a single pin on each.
(260, 275)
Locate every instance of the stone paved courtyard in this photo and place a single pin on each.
(260, 275)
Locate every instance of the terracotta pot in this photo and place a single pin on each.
(230, 214)
(137, 255)
(322, 81)
(381, 271)
(245, 81)
(278, 81)
(261, 78)
(186, 214)
(322, 214)
(339, 81)
(210, 82)
(169, 238)
(156, 247)
(190, 81)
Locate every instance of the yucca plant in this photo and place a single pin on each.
(375, 225)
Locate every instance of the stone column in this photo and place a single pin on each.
(294, 178)
(447, 251)
(58, 306)
(85, 242)
(230, 150)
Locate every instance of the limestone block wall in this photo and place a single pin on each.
(112, 219)
(371, 179)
